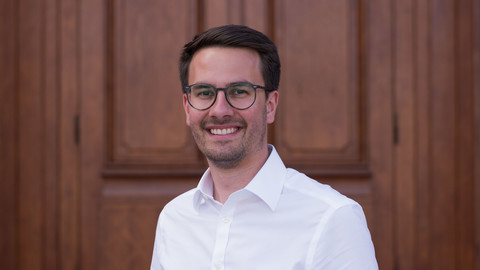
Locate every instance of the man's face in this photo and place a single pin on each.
(226, 135)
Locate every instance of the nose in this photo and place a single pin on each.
(221, 108)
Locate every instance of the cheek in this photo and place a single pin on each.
(193, 118)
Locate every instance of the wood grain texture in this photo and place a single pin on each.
(8, 133)
(379, 99)
(320, 107)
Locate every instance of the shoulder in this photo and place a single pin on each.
(181, 203)
(298, 184)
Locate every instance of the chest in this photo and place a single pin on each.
(238, 239)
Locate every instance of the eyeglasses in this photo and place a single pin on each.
(240, 96)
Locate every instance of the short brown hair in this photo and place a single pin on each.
(235, 36)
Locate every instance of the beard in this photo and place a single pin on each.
(225, 159)
(228, 154)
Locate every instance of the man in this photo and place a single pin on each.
(249, 211)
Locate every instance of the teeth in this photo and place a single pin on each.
(224, 131)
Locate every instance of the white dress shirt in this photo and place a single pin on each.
(282, 220)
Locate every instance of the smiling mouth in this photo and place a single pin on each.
(223, 131)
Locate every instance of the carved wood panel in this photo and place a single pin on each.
(145, 116)
(322, 108)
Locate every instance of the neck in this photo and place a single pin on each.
(228, 180)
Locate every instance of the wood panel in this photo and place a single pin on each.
(433, 97)
(129, 215)
(442, 124)
(475, 13)
(320, 81)
(92, 46)
(29, 137)
(379, 74)
(466, 210)
(67, 99)
(421, 128)
(145, 117)
(30, 205)
(8, 122)
(257, 14)
(144, 82)
(476, 102)
(50, 166)
(406, 148)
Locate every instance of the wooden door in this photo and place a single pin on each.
(378, 98)
(334, 119)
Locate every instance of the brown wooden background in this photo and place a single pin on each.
(379, 98)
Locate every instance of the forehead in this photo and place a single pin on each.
(223, 65)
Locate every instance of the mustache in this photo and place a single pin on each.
(216, 121)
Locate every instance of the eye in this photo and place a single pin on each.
(239, 91)
(202, 91)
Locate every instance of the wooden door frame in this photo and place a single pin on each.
(436, 91)
(38, 169)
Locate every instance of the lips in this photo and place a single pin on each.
(223, 128)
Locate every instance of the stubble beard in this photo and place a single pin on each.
(228, 154)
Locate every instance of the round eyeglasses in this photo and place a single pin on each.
(241, 96)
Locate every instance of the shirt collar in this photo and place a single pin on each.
(204, 189)
(267, 183)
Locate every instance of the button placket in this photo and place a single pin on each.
(226, 220)
(218, 266)
(223, 230)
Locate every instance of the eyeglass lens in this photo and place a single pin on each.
(240, 96)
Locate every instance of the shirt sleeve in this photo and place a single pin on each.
(157, 247)
(344, 242)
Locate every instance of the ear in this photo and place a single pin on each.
(271, 106)
(187, 108)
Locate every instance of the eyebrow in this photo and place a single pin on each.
(228, 85)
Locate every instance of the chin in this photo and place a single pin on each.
(225, 159)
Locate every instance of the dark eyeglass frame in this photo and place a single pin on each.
(187, 90)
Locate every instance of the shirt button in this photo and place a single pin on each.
(218, 266)
(226, 220)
